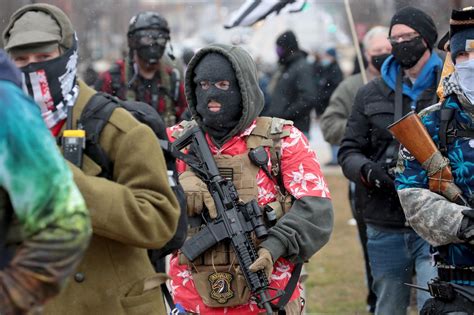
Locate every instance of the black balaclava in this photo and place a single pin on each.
(286, 46)
(214, 67)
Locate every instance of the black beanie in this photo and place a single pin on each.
(417, 20)
(288, 41)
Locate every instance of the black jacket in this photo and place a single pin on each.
(292, 94)
(367, 139)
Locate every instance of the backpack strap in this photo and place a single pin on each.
(94, 117)
(446, 117)
(398, 110)
(448, 128)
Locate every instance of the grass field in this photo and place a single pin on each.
(336, 283)
(336, 279)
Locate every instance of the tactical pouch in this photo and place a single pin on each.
(216, 277)
(221, 286)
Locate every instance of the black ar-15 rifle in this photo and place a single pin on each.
(234, 222)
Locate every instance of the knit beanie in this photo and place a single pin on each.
(417, 20)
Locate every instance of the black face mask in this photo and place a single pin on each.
(408, 53)
(378, 60)
(56, 77)
(151, 54)
(214, 68)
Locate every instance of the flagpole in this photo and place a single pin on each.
(356, 41)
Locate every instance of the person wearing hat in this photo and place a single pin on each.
(446, 225)
(131, 211)
(148, 74)
(44, 222)
(291, 91)
(368, 155)
(333, 124)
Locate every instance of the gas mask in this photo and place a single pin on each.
(215, 81)
(151, 45)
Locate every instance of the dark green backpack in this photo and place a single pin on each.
(95, 116)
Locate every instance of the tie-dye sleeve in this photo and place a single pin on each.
(47, 205)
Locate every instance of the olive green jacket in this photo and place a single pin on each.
(135, 211)
(334, 118)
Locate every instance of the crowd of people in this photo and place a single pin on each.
(152, 189)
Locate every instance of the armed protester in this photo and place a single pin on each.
(44, 223)
(276, 177)
(368, 155)
(147, 74)
(436, 181)
(131, 209)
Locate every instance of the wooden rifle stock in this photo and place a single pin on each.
(412, 134)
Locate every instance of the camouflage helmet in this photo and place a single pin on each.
(147, 20)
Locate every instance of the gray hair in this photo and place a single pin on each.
(376, 30)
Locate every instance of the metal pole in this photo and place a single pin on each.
(356, 41)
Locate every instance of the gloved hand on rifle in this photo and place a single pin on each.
(466, 230)
(263, 262)
(375, 176)
(197, 195)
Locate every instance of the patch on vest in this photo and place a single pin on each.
(221, 290)
(406, 155)
(227, 173)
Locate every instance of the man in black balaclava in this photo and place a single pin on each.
(225, 101)
(291, 88)
(218, 96)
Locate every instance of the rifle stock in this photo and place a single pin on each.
(412, 134)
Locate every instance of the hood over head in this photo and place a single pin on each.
(246, 75)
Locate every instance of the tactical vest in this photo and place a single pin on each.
(167, 89)
(221, 259)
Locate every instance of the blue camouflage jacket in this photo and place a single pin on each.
(431, 215)
(460, 152)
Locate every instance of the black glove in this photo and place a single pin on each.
(466, 231)
(376, 176)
